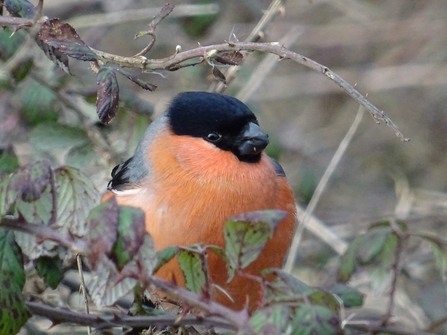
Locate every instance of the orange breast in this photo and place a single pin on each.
(191, 191)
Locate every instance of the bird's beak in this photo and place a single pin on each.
(253, 140)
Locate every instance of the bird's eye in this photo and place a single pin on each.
(213, 137)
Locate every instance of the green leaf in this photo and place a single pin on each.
(381, 272)
(64, 38)
(349, 295)
(9, 42)
(20, 8)
(108, 94)
(131, 233)
(165, 255)
(147, 256)
(438, 248)
(76, 196)
(81, 156)
(106, 286)
(285, 288)
(13, 312)
(246, 235)
(192, 268)
(102, 234)
(50, 136)
(315, 320)
(50, 269)
(363, 250)
(38, 104)
(269, 321)
(8, 161)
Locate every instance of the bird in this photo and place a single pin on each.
(198, 164)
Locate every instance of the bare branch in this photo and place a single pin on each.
(44, 232)
(175, 61)
(60, 315)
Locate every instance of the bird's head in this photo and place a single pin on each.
(221, 120)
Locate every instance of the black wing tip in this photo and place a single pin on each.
(119, 176)
(278, 168)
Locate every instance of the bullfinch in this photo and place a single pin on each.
(198, 164)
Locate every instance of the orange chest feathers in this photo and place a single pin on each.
(193, 188)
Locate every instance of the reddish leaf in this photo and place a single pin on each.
(131, 233)
(64, 38)
(30, 181)
(102, 227)
(164, 11)
(108, 94)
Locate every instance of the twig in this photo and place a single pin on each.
(42, 231)
(263, 69)
(82, 288)
(320, 188)
(401, 238)
(132, 15)
(175, 63)
(239, 320)
(254, 35)
(62, 315)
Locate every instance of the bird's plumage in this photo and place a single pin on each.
(189, 183)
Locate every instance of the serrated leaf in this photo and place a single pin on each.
(193, 271)
(285, 288)
(363, 250)
(147, 256)
(131, 232)
(270, 321)
(350, 296)
(382, 271)
(103, 286)
(50, 136)
(20, 8)
(81, 156)
(53, 54)
(13, 312)
(64, 38)
(38, 104)
(143, 84)
(165, 255)
(246, 235)
(102, 223)
(76, 196)
(108, 94)
(438, 248)
(50, 269)
(30, 181)
(315, 320)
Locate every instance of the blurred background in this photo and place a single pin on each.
(393, 51)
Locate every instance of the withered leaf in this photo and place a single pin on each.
(219, 75)
(108, 94)
(64, 38)
(230, 58)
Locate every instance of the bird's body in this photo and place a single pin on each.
(188, 186)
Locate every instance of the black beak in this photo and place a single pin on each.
(253, 140)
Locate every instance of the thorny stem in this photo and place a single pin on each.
(174, 62)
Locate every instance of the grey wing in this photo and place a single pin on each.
(278, 168)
